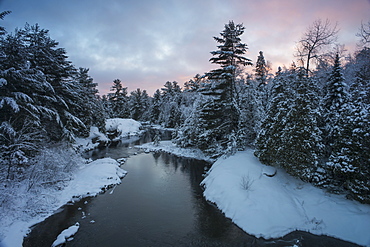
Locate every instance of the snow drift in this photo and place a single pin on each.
(271, 207)
(118, 128)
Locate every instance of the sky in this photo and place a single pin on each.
(145, 43)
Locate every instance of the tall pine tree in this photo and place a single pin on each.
(219, 114)
(118, 100)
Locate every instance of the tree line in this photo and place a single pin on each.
(312, 119)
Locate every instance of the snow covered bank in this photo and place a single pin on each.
(89, 180)
(169, 147)
(118, 128)
(271, 207)
(95, 139)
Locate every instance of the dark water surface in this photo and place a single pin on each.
(159, 203)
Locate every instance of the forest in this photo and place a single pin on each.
(311, 118)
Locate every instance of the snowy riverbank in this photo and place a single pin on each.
(117, 129)
(271, 207)
(23, 207)
(170, 147)
(89, 180)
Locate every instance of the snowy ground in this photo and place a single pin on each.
(271, 207)
(122, 126)
(21, 207)
(169, 147)
(89, 180)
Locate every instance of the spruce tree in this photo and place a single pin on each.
(31, 56)
(89, 108)
(155, 106)
(261, 70)
(170, 115)
(261, 74)
(2, 15)
(119, 100)
(219, 115)
(301, 135)
(290, 135)
(269, 143)
(334, 105)
(139, 104)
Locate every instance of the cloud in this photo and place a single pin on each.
(146, 43)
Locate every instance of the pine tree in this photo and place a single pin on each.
(155, 106)
(261, 70)
(2, 15)
(269, 143)
(119, 100)
(334, 105)
(170, 115)
(250, 114)
(193, 84)
(139, 104)
(290, 136)
(34, 66)
(261, 74)
(301, 135)
(349, 159)
(38, 95)
(219, 115)
(89, 108)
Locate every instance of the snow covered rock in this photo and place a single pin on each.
(118, 128)
(65, 235)
(272, 207)
(96, 139)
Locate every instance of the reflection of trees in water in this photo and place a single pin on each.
(214, 229)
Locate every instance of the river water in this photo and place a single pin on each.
(159, 203)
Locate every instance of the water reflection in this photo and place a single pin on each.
(159, 203)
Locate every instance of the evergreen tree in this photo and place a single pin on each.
(139, 104)
(89, 108)
(301, 135)
(261, 70)
(219, 115)
(348, 135)
(119, 100)
(250, 113)
(31, 56)
(261, 74)
(269, 143)
(290, 136)
(170, 115)
(155, 106)
(38, 94)
(334, 105)
(193, 84)
(2, 15)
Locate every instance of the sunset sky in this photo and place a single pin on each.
(148, 42)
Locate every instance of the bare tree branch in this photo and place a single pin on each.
(364, 33)
(314, 41)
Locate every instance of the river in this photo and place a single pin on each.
(158, 203)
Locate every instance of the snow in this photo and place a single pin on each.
(87, 143)
(125, 127)
(122, 126)
(95, 178)
(90, 180)
(170, 147)
(66, 234)
(271, 207)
